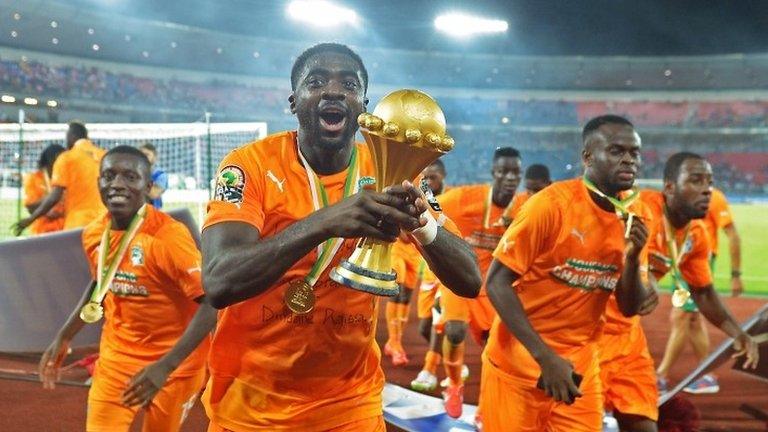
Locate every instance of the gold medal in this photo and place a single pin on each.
(299, 297)
(679, 297)
(91, 312)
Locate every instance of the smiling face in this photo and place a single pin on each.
(612, 157)
(691, 193)
(329, 96)
(124, 183)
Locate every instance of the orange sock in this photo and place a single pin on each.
(393, 322)
(453, 360)
(432, 361)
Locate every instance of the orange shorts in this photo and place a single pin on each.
(374, 424)
(628, 374)
(478, 312)
(167, 411)
(511, 404)
(426, 300)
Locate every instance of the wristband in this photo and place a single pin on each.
(735, 273)
(426, 234)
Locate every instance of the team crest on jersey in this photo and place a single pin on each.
(230, 185)
(137, 256)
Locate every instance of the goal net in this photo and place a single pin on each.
(188, 152)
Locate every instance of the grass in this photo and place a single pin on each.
(751, 222)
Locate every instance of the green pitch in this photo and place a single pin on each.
(751, 222)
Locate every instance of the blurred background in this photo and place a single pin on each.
(198, 78)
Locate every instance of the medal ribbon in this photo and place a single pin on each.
(487, 209)
(107, 269)
(621, 205)
(675, 252)
(328, 249)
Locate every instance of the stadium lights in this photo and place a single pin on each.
(7, 99)
(30, 101)
(463, 25)
(321, 13)
(52, 103)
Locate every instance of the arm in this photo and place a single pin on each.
(144, 385)
(46, 205)
(715, 312)
(453, 261)
(238, 264)
(57, 351)
(631, 292)
(556, 372)
(156, 191)
(734, 248)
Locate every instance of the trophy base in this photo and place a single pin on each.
(362, 279)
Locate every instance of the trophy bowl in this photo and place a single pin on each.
(405, 133)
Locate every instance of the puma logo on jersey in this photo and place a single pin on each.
(506, 244)
(576, 233)
(272, 177)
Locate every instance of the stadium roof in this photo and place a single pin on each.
(536, 27)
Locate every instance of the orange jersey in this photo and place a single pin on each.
(466, 206)
(569, 254)
(719, 216)
(35, 189)
(694, 260)
(77, 171)
(517, 203)
(150, 302)
(408, 264)
(271, 369)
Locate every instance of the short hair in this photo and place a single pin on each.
(439, 164)
(672, 167)
(537, 172)
(49, 155)
(501, 152)
(132, 151)
(595, 123)
(327, 47)
(149, 146)
(78, 129)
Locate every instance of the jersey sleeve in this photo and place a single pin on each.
(239, 193)
(695, 267)
(177, 256)
(723, 214)
(531, 234)
(62, 171)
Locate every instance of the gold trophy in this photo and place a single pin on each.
(405, 133)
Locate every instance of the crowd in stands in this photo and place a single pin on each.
(64, 83)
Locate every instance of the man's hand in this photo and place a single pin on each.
(415, 203)
(49, 367)
(557, 379)
(638, 236)
(745, 345)
(650, 302)
(737, 286)
(368, 214)
(20, 226)
(143, 387)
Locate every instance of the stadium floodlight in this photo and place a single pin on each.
(30, 101)
(7, 99)
(52, 103)
(463, 25)
(321, 13)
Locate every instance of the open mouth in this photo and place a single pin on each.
(333, 120)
